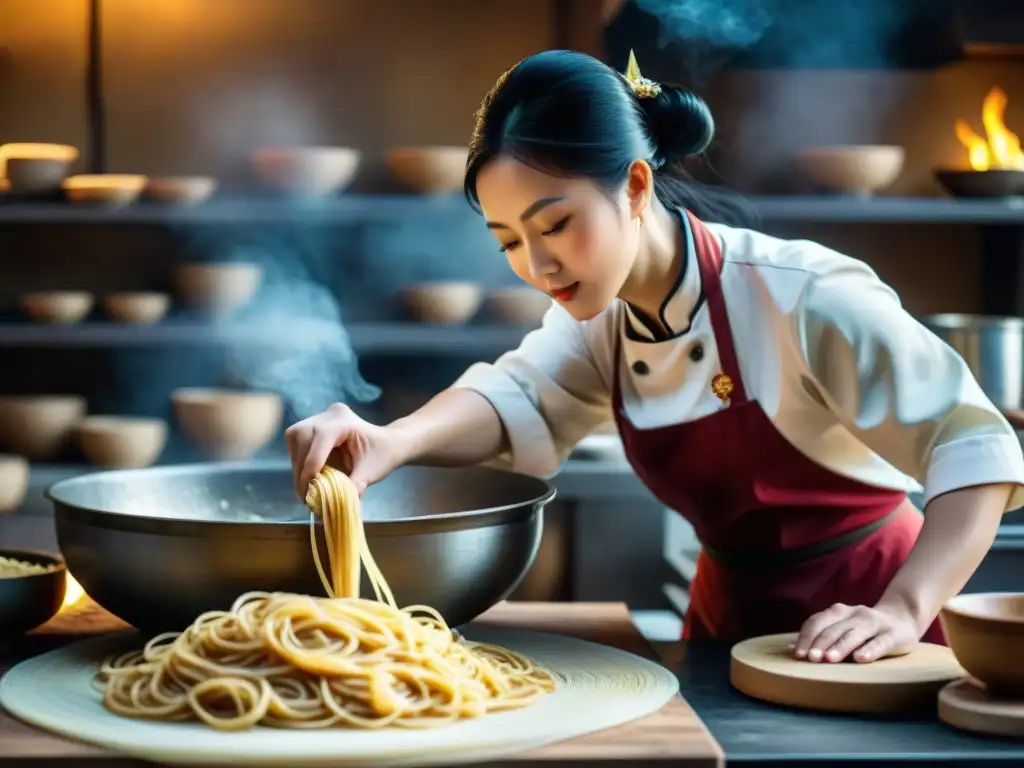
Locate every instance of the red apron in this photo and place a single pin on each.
(781, 537)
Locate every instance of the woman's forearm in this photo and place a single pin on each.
(959, 528)
(458, 427)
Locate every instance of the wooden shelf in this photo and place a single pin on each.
(382, 209)
(890, 210)
(349, 209)
(366, 338)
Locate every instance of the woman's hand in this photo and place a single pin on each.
(365, 452)
(867, 633)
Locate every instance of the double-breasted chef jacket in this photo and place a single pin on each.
(838, 403)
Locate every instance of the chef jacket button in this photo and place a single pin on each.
(640, 368)
(697, 352)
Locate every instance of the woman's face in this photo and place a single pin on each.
(566, 237)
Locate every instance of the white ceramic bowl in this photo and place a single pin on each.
(431, 170)
(120, 442)
(856, 170)
(60, 307)
(181, 190)
(228, 424)
(104, 188)
(313, 171)
(518, 305)
(137, 307)
(37, 426)
(218, 288)
(443, 303)
(36, 167)
(14, 476)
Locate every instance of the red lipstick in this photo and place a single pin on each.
(565, 294)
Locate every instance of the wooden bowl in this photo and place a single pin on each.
(855, 170)
(443, 303)
(58, 307)
(30, 600)
(518, 305)
(228, 424)
(431, 170)
(986, 634)
(180, 190)
(37, 426)
(137, 307)
(37, 167)
(309, 171)
(104, 188)
(121, 442)
(14, 476)
(218, 288)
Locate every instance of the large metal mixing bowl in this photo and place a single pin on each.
(157, 547)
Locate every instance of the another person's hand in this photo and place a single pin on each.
(365, 452)
(866, 633)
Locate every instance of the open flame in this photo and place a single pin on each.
(1000, 148)
(72, 593)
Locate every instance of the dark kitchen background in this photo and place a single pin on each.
(196, 86)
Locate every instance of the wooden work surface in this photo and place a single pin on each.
(672, 736)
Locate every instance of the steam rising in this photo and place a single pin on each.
(800, 33)
(808, 99)
(732, 24)
(316, 364)
(302, 349)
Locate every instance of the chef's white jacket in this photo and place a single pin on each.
(845, 374)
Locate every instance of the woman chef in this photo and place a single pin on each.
(774, 392)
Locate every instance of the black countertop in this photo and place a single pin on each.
(753, 732)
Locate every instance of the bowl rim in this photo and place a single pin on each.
(965, 321)
(288, 152)
(130, 296)
(822, 149)
(61, 153)
(446, 521)
(955, 607)
(214, 395)
(105, 423)
(105, 181)
(45, 400)
(948, 171)
(59, 295)
(185, 179)
(17, 553)
(200, 267)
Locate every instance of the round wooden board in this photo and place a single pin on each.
(965, 704)
(764, 668)
(598, 687)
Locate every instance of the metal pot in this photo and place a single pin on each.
(994, 350)
(158, 547)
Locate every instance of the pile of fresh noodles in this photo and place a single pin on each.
(13, 569)
(294, 661)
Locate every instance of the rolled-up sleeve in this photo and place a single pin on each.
(548, 393)
(902, 391)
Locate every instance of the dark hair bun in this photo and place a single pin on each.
(680, 123)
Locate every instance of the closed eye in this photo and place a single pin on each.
(558, 227)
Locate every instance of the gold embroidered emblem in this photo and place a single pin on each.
(722, 386)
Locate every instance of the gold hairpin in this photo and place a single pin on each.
(642, 87)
